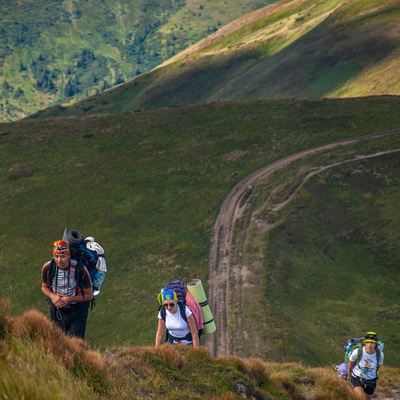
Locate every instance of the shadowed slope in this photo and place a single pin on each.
(59, 51)
(289, 49)
(342, 51)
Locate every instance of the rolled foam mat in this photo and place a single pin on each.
(195, 288)
(72, 236)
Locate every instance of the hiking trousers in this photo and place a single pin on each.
(72, 319)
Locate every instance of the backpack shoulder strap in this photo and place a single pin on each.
(163, 312)
(52, 271)
(182, 309)
(359, 353)
(80, 276)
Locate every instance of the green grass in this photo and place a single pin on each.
(340, 256)
(148, 186)
(330, 263)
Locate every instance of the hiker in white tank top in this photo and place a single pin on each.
(179, 331)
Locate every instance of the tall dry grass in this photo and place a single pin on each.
(38, 361)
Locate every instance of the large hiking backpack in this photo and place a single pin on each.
(351, 345)
(87, 252)
(356, 343)
(183, 296)
(179, 287)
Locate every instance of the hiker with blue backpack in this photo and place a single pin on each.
(178, 319)
(364, 362)
(68, 289)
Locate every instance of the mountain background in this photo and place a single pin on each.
(287, 49)
(144, 168)
(59, 51)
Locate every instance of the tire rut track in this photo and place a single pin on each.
(231, 210)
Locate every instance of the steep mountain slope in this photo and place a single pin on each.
(53, 51)
(292, 48)
(148, 186)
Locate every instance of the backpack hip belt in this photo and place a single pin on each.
(188, 337)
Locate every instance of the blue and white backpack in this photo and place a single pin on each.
(88, 253)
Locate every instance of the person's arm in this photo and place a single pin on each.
(78, 298)
(193, 330)
(54, 297)
(350, 366)
(46, 288)
(160, 332)
(378, 364)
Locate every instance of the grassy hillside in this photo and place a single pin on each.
(289, 49)
(321, 261)
(148, 186)
(55, 51)
(38, 362)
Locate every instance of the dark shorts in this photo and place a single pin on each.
(369, 385)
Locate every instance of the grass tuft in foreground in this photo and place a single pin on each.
(39, 362)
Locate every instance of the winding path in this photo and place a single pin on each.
(233, 207)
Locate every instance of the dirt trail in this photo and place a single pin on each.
(231, 210)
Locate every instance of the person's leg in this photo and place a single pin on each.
(58, 318)
(356, 385)
(77, 325)
(359, 391)
(53, 314)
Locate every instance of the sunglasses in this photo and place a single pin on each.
(169, 305)
(60, 244)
